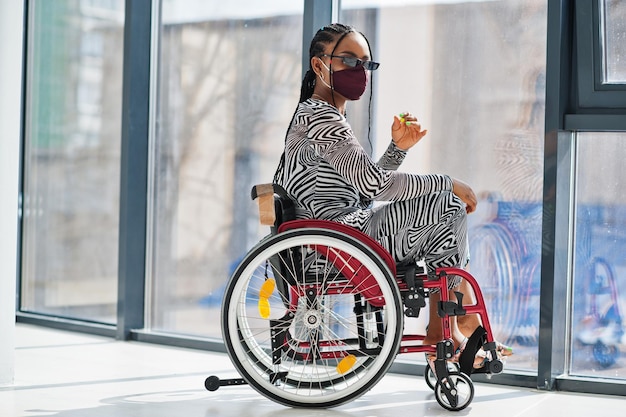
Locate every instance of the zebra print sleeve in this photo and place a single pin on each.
(392, 158)
(333, 139)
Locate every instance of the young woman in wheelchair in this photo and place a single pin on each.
(331, 177)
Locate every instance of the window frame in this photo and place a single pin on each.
(593, 92)
(577, 99)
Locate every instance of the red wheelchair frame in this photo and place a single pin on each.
(437, 281)
(414, 286)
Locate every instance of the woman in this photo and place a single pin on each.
(331, 177)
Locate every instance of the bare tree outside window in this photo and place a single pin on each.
(227, 92)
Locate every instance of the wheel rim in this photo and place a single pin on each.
(325, 365)
(464, 392)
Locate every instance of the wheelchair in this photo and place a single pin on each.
(313, 316)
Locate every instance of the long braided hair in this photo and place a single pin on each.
(334, 32)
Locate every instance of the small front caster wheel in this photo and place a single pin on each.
(455, 393)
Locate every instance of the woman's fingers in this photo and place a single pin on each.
(466, 194)
(406, 130)
(407, 117)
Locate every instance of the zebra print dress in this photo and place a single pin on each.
(331, 177)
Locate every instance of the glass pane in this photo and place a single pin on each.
(599, 286)
(229, 82)
(474, 74)
(614, 43)
(72, 158)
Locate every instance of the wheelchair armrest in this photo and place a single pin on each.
(265, 195)
(275, 204)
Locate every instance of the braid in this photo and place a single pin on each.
(308, 84)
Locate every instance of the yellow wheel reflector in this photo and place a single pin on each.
(264, 307)
(267, 288)
(346, 364)
(264, 294)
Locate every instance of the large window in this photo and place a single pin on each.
(474, 73)
(229, 79)
(72, 159)
(599, 286)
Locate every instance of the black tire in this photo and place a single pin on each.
(463, 395)
(334, 352)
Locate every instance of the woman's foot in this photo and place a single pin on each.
(479, 358)
(503, 349)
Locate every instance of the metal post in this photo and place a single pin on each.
(134, 167)
(317, 14)
(553, 294)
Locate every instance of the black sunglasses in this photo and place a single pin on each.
(355, 62)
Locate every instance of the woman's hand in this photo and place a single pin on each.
(406, 131)
(466, 194)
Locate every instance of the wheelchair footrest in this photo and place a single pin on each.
(492, 367)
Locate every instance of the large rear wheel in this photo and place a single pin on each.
(312, 318)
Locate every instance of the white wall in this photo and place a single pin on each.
(11, 35)
(405, 78)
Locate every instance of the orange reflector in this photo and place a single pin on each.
(346, 364)
(264, 307)
(267, 288)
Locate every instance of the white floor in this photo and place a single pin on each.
(67, 374)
